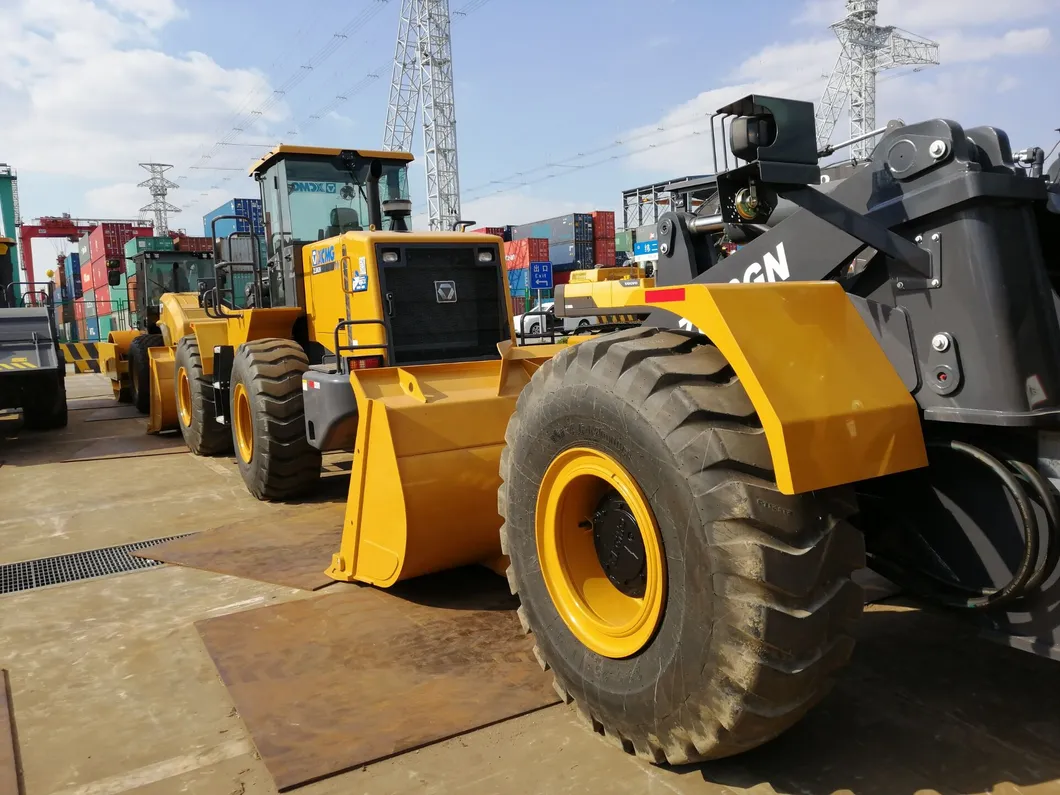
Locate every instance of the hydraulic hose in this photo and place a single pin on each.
(1034, 479)
(1025, 576)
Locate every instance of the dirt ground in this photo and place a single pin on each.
(114, 692)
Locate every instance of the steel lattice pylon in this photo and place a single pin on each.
(423, 75)
(865, 50)
(159, 187)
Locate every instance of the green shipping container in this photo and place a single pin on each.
(624, 240)
(138, 244)
(106, 326)
(130, 267)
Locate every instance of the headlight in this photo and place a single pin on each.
(390, 256)
(485, 255)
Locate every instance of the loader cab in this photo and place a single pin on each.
(311, 194)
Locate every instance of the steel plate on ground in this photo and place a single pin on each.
(80, 404)
(129, 447)
(338, 681)
(114, 412)
(293, 548)
(10, 773)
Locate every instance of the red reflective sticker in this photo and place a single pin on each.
(665, 296)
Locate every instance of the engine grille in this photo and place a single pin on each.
(429, 322)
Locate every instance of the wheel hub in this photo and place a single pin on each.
(619, 545)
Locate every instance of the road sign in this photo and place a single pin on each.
(540, 275)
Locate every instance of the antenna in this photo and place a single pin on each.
(866, 50)
(159, 187)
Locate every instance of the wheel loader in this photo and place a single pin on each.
(123, 357)
(680, 505)
(348, 287)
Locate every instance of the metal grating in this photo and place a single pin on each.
(89, 565)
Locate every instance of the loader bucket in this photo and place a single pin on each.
(163, 415)
(423, 489)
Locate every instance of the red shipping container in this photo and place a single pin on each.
(518, 254)
(82, 329)
(560, 277)
(79, 310)
(489, 230)
(518, 305)
(86, 278)
(194, 245)
(107, 241)
(99, 273)
(103, 307)
(604, 251)
(604, 225)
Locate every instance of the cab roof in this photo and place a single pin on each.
(9, 240)
(288, 149)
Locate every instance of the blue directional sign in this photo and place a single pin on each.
(540, 275)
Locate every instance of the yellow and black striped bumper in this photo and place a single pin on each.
(82, 355)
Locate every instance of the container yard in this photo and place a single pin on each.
(744, 480)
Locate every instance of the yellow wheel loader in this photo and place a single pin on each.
(348, 287)
(680, 505)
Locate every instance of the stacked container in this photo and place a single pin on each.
(490, 230)
(518, 254)
(604, 238)
(108, 245)
(561, 229)
(72, 266)
(245, 208)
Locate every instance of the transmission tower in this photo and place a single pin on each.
(423, 75)
(159, 187)
(865, 50)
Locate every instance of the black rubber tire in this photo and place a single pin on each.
(283, 466)
(205, 435)
(47, 410)
(140, 370)
(760, 603)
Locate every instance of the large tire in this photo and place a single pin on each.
(140, 370)
(758, 602)
(47, 410)
(267, 412)
(202, 433)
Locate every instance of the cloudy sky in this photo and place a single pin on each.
(561, 103)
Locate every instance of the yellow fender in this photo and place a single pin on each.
(423, 490)
(113, 358)
(832, 406)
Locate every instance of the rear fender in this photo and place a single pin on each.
(833, 408)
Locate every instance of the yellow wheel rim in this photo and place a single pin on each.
(184, 397)
(605, 619)
(244, 427)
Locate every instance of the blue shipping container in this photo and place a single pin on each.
(571, 256)
(246, 208)
(73, 274)
(517, 281)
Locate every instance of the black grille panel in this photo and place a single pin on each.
(426, 329)
(29, 574)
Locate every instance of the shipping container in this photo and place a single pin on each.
(604, 252)
(107, 241)
(490, 230)
(99, 273)
(518, 304)
(643, 233)
(79, 309)
(137, 244)
(562, 229)
(603, 224)
(519, 254)
(624, 240)
(250, 209)
(84, 249)
(571, 256)
(560, 277)
(518, 282)
(199, 245)
(90, 303)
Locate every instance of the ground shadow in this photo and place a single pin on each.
(466, 588)
(926, 704)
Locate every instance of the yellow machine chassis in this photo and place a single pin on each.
(423, 491)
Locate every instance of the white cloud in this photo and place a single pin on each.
(679, 142)
(89, 93)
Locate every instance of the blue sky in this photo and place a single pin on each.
(93, 87)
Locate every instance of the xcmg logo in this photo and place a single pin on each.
(770, 269)
(323, 256)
